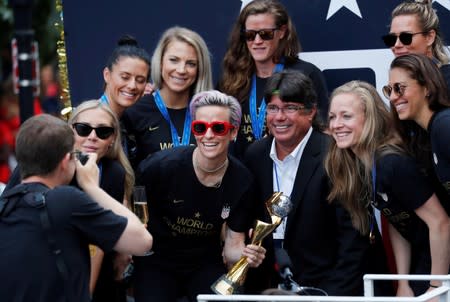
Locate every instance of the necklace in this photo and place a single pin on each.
(220, 167)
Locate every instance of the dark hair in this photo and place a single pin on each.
(127, 46)
(422, 69)
(41, 144)
(427, 74)
(293, 86)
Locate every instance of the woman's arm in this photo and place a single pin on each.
(402, 254)
(438, 222)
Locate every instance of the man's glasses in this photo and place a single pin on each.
(289, 109)
(405, 38)
(102, 132)
(265, 34)
(398, 88)
(218, 128)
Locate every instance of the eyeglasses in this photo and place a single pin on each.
(265, 34)
(398, 88)
(218, 128)
(405, 38)
(102, 132)
(75, 154)
(289, 109)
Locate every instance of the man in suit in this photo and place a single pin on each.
(326, 251)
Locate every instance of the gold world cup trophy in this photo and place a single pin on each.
(278, 206)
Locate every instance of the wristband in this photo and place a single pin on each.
(433, 286)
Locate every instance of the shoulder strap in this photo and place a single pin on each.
(38, 201)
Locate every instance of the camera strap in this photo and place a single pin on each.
(36, 199)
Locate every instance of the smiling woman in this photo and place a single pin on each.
(180, 67)
(96, 130)
(194, 194)
(126, 74)
(422, 113)
(369, 166)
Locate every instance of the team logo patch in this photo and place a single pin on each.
(225, 211)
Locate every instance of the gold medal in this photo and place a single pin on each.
(92, 250)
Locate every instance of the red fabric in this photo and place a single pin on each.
(5, 173)
(37, 106)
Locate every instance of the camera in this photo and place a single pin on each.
(83, 158)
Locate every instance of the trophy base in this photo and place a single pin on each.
(223, 286)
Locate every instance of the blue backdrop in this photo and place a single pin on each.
(342, 37)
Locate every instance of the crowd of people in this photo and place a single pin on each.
(209, 160)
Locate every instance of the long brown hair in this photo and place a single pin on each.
(238, 65)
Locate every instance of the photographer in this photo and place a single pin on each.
(57, 230)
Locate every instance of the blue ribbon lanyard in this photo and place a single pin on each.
(374, 193)
(187, 122)
(104, 99)
(256, 118)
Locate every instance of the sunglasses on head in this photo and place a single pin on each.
(398, 88)
(265, 34)
(405, 38)
(102, 132)
(218, 128)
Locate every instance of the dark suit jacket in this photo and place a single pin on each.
(326, 251)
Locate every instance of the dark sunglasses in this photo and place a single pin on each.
(405, 38)
(218, 128)
(398, 88)
(265, 34)
(102, 132)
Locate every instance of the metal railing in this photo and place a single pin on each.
(443, 292)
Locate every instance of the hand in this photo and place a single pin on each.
(87, 174)
(149, 88)
(404, 290)
(255, 254)
(120, 263)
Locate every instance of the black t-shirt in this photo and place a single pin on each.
(439, 129)
(186, 217)
(245, 136)
(150, 129)
(28, 270)
(401, 189)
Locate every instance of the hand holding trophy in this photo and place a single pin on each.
(278, 207)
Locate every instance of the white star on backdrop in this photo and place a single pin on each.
(352, 5)
(244, 3)
(444, 3)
